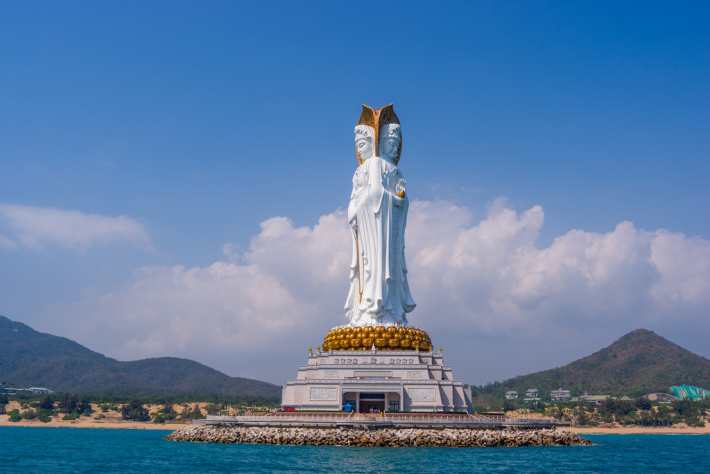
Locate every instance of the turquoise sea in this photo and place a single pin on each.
(146, 451)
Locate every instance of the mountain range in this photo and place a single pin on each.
(31, 358)
(638, 363)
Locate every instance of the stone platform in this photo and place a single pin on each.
(376, 380)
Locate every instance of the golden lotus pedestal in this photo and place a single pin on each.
(380, 337)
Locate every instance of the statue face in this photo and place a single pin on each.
(365, 147)
(388, 148)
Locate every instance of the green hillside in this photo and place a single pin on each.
(30, 358)
(640, 362)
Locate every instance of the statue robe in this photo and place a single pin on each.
(378, 270)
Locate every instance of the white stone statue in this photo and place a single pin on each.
(379, 291)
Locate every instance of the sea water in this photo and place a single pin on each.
(147, 451)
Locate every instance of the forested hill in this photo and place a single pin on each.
(30, 358)
(640, 362)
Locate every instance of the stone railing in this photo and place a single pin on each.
(373, 418)
(304, 417)
(369, 366)
(374, 381)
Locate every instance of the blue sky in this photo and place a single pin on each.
(198, 121)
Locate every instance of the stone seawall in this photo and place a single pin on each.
(376, 437)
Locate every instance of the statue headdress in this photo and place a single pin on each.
(378, 119)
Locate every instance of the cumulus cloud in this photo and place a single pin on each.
(485, 292)
(75, 230)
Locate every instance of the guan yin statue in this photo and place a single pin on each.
(379, 291)
(379, 298)
(377, 361)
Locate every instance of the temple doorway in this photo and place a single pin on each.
(372, 402)
(371, 406)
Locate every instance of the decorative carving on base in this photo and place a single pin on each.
(324, 393)
(422, 394)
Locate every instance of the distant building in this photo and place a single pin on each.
(660, 397)
(560, 395)
(13, 390)
(532, 395)
(597, 399)
(41, 390)
(511, 395)
(688, 392)
(37, 390)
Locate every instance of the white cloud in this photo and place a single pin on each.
(485, 292)
(35, 226)
(683, 265)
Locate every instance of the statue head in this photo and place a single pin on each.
(364, 142)
(390, 138)
(379, 122)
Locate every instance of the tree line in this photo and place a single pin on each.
(640, 412)
(70, 407)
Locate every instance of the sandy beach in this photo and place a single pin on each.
(126, 425)
(148, 425)
(641, 430)
(111, 420)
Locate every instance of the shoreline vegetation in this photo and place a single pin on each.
(115, 421)
(615, 414)
(69, 411)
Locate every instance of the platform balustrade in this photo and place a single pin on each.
(379, 418)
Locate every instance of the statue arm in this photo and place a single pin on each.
(352, 214)
(356, 198)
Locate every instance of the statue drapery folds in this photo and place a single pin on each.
(379, 292)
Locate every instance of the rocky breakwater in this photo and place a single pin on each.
(390, 437)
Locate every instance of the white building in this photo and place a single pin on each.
(560, 395)
(532, 393)
(407, 381)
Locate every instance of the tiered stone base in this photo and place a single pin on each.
(390, 437)
(383, 338)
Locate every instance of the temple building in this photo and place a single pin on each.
(376, 380)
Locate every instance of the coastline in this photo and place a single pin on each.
(128, 425)
(148, 425)
(111, 420)
(640, 430)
